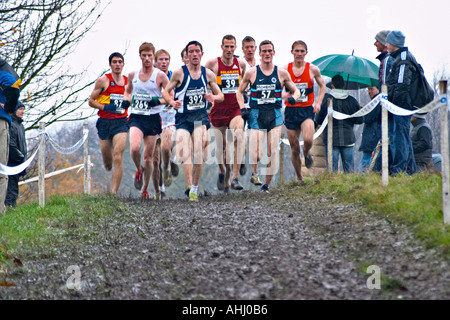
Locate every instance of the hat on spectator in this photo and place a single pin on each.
(381, 36)
(19, 105)
(396, 38)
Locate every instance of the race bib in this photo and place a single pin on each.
(195, 99)
(117, 99)
(168, 109)
(230, 82)
(302, 88)
(266, 93)
(141, 104)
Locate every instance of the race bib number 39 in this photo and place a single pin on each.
(230, 82)
(117, 99)
(195, 99)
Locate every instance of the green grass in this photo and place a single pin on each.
(415, 201)
(30, 225)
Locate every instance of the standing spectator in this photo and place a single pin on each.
(385, 59)
(422, 141)
(343, 135)
(9, 95)
(402, 76)
(371, 133)
(17, 153)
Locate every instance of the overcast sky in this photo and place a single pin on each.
(327, 26)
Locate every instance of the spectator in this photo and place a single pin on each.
(9, 95)
(402, 75)
(385, 59)
(17, 153)
(371, 133)
(422, 141)
(343, 135)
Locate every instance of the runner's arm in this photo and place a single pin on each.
(217, 95)
(168, 90)
(322, 88)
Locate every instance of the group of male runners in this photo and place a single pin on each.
(167, 107)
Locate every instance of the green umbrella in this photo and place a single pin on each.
(357, 72)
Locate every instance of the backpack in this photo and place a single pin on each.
(421, 91)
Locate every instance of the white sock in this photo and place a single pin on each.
(194, 189)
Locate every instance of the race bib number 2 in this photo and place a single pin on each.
(302, 88)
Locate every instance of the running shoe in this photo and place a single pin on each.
(226, 189)
(167, 178)
(174, 169)
(235, 185)
(255, 180)
(157, 196)
(221, 181)
(193, 197)
(308, 160)
(265, 188)
(188, 189)
(138, 180)
(145, 195)
(243, 169)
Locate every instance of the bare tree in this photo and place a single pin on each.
(35, 37)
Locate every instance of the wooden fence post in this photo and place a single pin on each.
(330, 136)
(444, 153)
(385, 142)
(41, 165)
(87, 163)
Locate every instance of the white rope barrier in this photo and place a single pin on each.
(18, 169)
(381, 98)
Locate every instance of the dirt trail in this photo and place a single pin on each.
(241, 246)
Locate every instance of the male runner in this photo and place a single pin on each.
(267, 82)
(191, 120)
(300, 116)
(112, 126)
(227, 114)
(256, 136)
(164, 145)
(144, 89)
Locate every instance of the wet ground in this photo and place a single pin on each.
(241, 246)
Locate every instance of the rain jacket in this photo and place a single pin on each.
(17, 142)
(343, 134)
(422, 141)
(402, 76)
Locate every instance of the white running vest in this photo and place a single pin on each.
(143, 92)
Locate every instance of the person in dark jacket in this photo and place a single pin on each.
(371, 133)
(422, 142)
(343, 135)
(9, 94)
(383, 57)
(17, 153)
(400, 80)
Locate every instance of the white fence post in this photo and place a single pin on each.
(87, 163)
(445, 154)
(330, 136)
(385, 142)
(41, 162)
